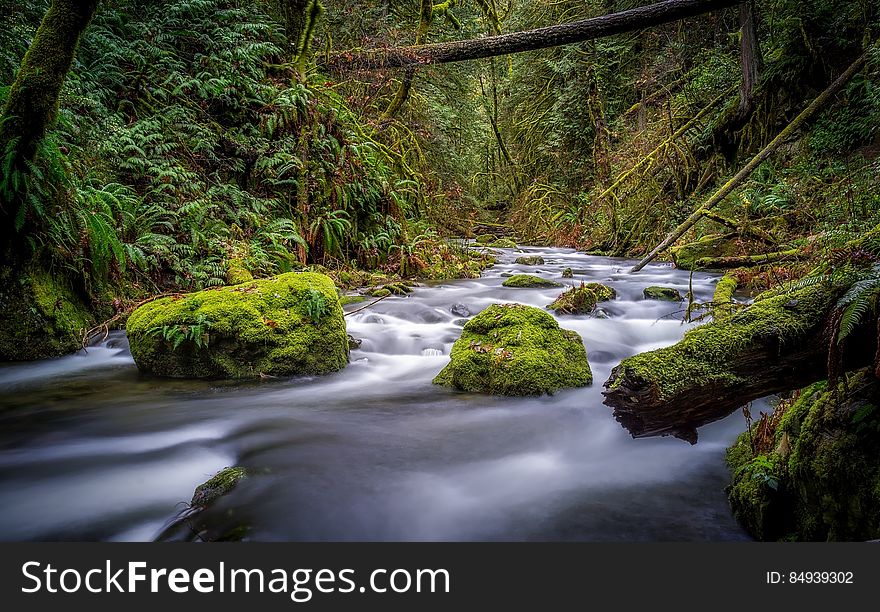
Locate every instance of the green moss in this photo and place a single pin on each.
(503, 243)
(723, 297)
(219, 485)
(290, 324)
(485, 238)
(567, 273)
(512, 349)
(40, 316)
(827, 460)
(380, 292)
(530, 260)
(527, 281)
(703, 353)
(399, 288)
(665, 294)
(715, 245)
(237, 273)
(345, 300)
(582, 299)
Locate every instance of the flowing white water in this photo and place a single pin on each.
(90, 449)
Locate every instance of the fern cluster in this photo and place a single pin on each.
(184, 141)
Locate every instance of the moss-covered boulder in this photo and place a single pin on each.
(567, 273)
(287, 325)
(528, 281)
(512, 349)
(811, 471)
(503, 243)
(582, 299)
(485, 238)
(664, 294)
(715, 245)
(40, 315)
(530, 260)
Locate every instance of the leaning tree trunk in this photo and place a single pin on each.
(776, 344)
(541, 38)
(33, 100)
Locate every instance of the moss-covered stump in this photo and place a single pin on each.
(664, 294)
(582, 299)
(503, 243)
(814, 471)
(512, 349)
(530, 260)
(485, 238)
(776, 344)
(527, 281)
(287, 325)
(716, 245)
(40, 316)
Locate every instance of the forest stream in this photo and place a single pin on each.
(90, 449)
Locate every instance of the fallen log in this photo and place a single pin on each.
(777, 344)
(621, 22)
(748, 261)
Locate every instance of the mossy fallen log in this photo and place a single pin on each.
(776, 344)
(748, 261)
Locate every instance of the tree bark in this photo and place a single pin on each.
(750, 58)
(756, 161)
(33, 100)
(516, 42)
(777, 344)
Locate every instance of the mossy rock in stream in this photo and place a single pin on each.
(41, 315)
(812, 471)
(582, 299)
(567, 273)
(485, 238)
(528, 281)
(530, 260)
(204, 519)
(512, 349)
(664, 294)
(282, 326)
(503, 243)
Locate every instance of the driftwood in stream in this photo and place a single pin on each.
(776, 344)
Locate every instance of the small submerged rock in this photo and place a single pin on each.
(528, 281)
(354, 343)
(530, 260)
(201, 521)
(460, 310)
(512, 349)
(665, 294)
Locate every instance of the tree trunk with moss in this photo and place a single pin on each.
(402, 95)
(777, 344)
(33, 100)
(750, 59)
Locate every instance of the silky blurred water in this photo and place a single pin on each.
(92, 450)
